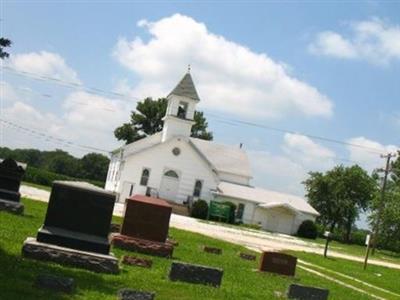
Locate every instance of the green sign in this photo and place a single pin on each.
(219, 210)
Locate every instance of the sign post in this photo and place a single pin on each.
(327, 234)
(367, 243)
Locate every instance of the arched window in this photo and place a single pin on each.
(197, 188)
(145, 177)
(171, 173)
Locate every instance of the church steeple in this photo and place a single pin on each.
(182, 101)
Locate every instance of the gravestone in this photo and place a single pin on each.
(212, 250)
(196, 274)
(145, 226)
(137, 261)
(278, 263)
(56, 283)
(247, 256)
(76, 228)
(129, 294)
(10, 180)
(301, 292)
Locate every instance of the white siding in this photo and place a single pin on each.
(189, 165)
(249, 208)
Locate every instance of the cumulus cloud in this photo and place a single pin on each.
(229, 77)
(369, 159)
(43, 63)
(374, 40)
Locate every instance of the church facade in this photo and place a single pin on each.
(181, 169)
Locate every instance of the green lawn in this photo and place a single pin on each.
(240, 280)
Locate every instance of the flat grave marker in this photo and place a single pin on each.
(196, 274)
(278, 263)
(247, 256)
(55, 283)
(212, 250)
(137, 261)
(300, 292)
(129, 294)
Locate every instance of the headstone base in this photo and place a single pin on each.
(12, 206)
(143, 246)
(65, 256)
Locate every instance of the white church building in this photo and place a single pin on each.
(181, 169)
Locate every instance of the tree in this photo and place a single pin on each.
(3, 44)
(340, 195)
(147, 120)
(94, 166)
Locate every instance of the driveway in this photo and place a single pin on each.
(253, 239)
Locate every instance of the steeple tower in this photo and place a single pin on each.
(182, 101)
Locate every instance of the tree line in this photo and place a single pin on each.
(92, 166)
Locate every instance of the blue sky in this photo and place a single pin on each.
(327, 69)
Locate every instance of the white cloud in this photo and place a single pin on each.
(369, 159)
(285, 172)
(375, 41)
(43, 63)
(309, 153)
(229, 77)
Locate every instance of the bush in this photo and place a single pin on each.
(308, 230)
(199, 210)
(43, 177)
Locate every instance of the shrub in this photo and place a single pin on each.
(308, 230)
(199, 209)
(43, 177)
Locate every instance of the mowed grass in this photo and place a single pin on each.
(240, 280)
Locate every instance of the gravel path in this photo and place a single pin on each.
(252, 239)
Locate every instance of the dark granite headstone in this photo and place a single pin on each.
(10, 180)
(146, 218)
(278, 263)
(301, 292)
(128, 294)
(78, 217)
(196, 274)
(56, 283)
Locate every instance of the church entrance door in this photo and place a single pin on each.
(169, 185)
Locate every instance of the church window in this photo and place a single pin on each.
(182, 110)
(145, 177)
(197, 188)
(171, 173)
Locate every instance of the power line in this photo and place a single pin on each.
(51, 138)
(116, 95)
(281, 130)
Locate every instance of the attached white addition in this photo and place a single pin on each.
(179, 168)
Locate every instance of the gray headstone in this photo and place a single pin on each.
(56, 283)
(301, 292)
(128, 294)
(196, 274)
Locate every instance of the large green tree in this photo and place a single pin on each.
(147, 120)
(3, 44)
(340, 195)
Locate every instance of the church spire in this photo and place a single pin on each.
(186, 88)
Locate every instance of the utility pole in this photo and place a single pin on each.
(382, 201)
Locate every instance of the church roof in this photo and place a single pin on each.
(186, 88)
(229, 159)
(265, 198)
